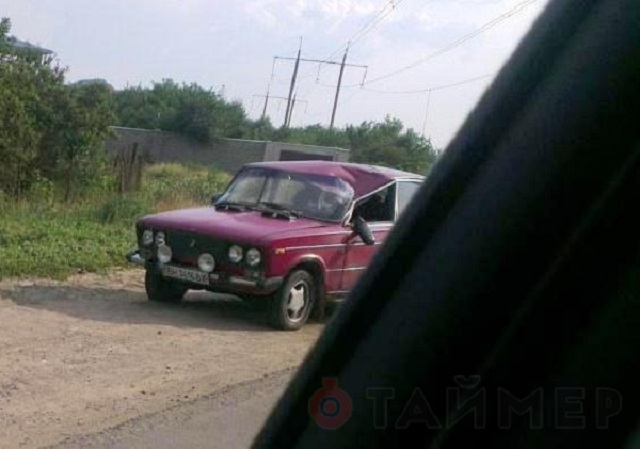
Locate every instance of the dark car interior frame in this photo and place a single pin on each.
(515, 269)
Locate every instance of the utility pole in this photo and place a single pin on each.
(293, 105)
(335, 102)
(270, 97)
(426, 114)
(342, 65)
(266, 103)
(293, 84)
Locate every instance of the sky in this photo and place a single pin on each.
(450, 50)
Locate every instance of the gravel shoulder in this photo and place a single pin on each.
(91, 353)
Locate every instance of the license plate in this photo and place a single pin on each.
(193, 276)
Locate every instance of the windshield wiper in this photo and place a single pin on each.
(229, 205)
(280, 208)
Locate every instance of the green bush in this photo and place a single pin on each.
(44, 236)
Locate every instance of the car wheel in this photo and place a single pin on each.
(160, 289)
(291, 305)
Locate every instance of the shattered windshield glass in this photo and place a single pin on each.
(311, 196)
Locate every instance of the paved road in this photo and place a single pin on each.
(228, 419)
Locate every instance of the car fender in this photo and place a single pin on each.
(306, 260)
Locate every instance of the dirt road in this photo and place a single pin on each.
(227, 419)
(90, 353)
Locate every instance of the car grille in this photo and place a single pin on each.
(187, 246)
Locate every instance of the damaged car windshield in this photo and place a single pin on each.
(311, 196)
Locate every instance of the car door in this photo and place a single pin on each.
(379, 211)
(395, 198)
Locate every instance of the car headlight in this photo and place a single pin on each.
(147, 237)
(164, 254)
(160, 240)
(253, 257)
(206, 262)
(235, 253)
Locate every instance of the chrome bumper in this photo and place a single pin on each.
(226, 282)
(136, 258)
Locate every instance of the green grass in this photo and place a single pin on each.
(60, 242)
(51, 239)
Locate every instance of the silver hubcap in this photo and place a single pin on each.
(297, 300)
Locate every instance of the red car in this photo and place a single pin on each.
(294, 234)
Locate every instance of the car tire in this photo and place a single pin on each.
(160, 289)
(291, 305)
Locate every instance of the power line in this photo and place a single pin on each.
(486, 27)
(394, 6)
(420, 91)
(358, 35)
(342, 65)
(320, 62)
(269, 97)
(429, 89)
(379, 17)
(370, 26)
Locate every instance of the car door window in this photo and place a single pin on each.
(379, 207)
(406, 190)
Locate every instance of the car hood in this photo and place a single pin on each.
(249, 227)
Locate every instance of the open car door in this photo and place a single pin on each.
(504, 308)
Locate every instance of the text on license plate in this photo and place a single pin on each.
(194, 276)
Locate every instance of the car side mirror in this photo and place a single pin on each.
(364, 231)
(215, 197)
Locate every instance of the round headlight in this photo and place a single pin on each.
(147, 237)
(164, 254)
(253, 257)
(235, 253)
(206, 262)
(160, 238)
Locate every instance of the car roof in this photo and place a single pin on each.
(364, 178)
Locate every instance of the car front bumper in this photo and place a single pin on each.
(136, 258)
(220, 282)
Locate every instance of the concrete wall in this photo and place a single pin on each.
(274, 150)
(227, 154)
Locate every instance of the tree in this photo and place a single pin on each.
(318, 135)
(384, 143)
(24, 83)
(188, 109)
(86, 115)
(388, 143)
(19, 134)
(46, 127)
(260, 129)
(5, 27)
